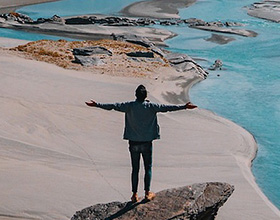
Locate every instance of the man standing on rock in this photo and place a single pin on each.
(141, 128)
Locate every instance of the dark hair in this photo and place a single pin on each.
(141, 93)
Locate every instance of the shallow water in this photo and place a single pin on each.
(247, 91)
(74, 7)
(64, 8)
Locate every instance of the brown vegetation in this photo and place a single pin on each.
(60, 53)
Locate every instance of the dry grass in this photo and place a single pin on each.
(119, 64)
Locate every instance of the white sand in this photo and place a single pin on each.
(9, 42)
(59, 156)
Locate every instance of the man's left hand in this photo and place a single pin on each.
(189, 105)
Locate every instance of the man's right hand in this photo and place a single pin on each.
(91, 103)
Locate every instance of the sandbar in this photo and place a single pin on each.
(268, 10)
(156, 8)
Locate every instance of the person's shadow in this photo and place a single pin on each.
(129, 206)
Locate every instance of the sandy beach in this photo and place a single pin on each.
(59, 156)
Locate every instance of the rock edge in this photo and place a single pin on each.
(200, 201)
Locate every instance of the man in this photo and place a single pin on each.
(141, 128)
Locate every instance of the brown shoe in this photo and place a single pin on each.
(150, 195)
(134, 198)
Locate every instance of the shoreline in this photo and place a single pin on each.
(243, 162)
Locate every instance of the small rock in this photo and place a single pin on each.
(56, 19)
(217, 65)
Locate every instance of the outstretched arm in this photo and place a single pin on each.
(93, 103)
(121, 107)
(169, 108)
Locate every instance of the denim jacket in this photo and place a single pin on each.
(141, 118)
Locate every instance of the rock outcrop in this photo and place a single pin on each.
(109, 21)
(198, 201)
(83, 26)
(218, 26)
(241, 32)
(86, 27)
(88, 51)
(86, 55)
(181, 62)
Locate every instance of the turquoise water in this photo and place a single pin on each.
(75, 7)
(247, 91)
(64, 8)
(27, 35)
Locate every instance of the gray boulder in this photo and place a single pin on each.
(88, 60)
(141, 54)
(195, 202)
(85, 55)
(80, 20)
(88, 51)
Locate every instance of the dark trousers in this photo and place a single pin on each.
(136, 150)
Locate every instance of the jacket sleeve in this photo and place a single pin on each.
(121, 107)
(167, 108)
